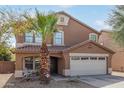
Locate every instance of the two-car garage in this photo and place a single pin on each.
(88, 64)
(88, 58)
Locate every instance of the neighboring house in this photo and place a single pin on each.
(74, 50)
(118, 58)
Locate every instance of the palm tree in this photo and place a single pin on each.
(45, 25)
(116, 20)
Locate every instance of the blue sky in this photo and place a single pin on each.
(92, 15)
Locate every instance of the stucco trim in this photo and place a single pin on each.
(18, 73)
(24, 44)
(66, 72)
(109, 70)
(66, 19)
(88, 54)
(93, 34)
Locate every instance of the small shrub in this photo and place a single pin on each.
(5, 54)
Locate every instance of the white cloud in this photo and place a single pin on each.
(101, 24)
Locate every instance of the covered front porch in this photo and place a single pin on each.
(28, 59)
(26, 63)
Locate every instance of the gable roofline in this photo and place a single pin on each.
(86, 42)
(63, 12)
(106, 30)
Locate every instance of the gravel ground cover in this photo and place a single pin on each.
(19, 83)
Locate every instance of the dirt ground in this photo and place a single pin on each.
(19, 83)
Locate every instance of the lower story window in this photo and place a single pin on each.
(32, 63)
(37, 63)
(29, 63)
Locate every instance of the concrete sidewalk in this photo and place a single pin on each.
(102, 81)
(119, 84)
(116, 85)
(3, 79)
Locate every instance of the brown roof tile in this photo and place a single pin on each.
(36, 49)
(88, 41)
(56, 49)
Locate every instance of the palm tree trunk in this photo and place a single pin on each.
(44, 64)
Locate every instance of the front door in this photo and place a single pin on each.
(54, 65)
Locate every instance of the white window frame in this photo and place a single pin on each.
(34, 64)
(93, 34)
(37, 37)
(54, 41)
(24, 64)
(66, 19)
(62, 19)
(28, 36)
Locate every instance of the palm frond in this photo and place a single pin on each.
(116, 20)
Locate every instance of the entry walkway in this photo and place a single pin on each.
(3, 79)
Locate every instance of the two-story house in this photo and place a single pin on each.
(74, 50)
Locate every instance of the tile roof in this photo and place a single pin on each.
(36, 49)
(56, 49)
(89, 41)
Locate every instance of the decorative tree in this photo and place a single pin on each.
(19, 23)
(46, 26)
(11, 22)
(116, 20)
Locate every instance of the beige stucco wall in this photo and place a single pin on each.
(19, 60)
(74, 33)
(118, 61)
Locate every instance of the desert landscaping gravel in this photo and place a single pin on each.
(18, 83)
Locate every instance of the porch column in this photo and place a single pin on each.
(19, 66)
(109, 65)
(66, 61)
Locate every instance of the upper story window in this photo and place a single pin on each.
(38, 38)
(29, 37)
(93, 36)
(61, 19)
(59, 38)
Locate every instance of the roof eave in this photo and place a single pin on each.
(88, 41)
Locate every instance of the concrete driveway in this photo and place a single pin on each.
(4, 78)
(104, 81)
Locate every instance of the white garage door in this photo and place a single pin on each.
(87, 65)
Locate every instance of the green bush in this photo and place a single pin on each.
(5, 54)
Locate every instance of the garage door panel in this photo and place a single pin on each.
(88, 67)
